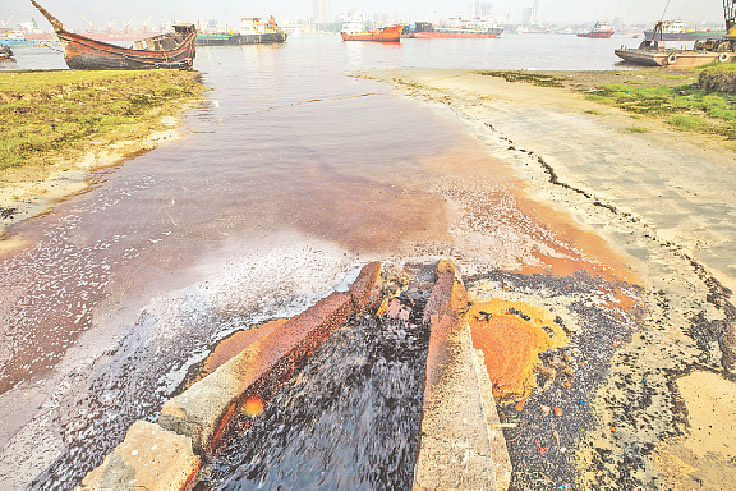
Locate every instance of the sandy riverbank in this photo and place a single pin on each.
(63, 125)
(660, 197)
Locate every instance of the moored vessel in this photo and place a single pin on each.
(721, 50)
(385, 35)
(173, 50)
(426, 30)
(250, 31)
(675, 30)
(601, 30)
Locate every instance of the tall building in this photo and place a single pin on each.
(321, 11)
(481, 9)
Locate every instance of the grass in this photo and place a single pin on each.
(684, 107)
(52, 115)
(717, 68)
(638, 129)
(538, 79)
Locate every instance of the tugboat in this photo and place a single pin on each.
(173, 50)
(601, 30)
(6, 54)
(385, 35)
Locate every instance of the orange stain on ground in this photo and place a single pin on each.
(253, 406)
(511, 344)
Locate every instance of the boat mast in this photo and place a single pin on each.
(55, 23)
(660, 26)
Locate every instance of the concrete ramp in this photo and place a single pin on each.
(461, 444)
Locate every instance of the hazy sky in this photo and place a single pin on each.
(98, 11)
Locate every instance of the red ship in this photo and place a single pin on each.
(456, 34)
(386, 35)
(600, 31)
(174, 50)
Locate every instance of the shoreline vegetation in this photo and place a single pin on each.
(60, 125)
(617, 152)
(697, 101)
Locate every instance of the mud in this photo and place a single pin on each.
(668, 223)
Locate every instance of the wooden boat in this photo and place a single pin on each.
(173, 50)
(385, 35)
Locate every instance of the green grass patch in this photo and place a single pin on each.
(592, 112)
(638, 129)
(684, 107)
(720, 68)
(51, 115)
(538, 79)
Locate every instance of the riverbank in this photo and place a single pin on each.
(60, 125)
(647, 189)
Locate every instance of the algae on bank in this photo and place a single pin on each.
(61, 114)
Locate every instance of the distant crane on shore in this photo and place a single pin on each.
(90, 25)
(6, 22)
(146, 22)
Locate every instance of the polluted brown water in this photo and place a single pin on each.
(289, 177)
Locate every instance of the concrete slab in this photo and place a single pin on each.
(204, 410)
(149, 458)
(461, 444)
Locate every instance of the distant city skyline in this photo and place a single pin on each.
(554, 11)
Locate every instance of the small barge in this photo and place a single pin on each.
(427, 30)
(385, 35)
(172, 50)
(250, 31)
(721, 50)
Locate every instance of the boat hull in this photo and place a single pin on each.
(240, 39)
(596, 35)
(83, 53)
(674, 59)
(683, 36)
(387, 35)
(453, 35)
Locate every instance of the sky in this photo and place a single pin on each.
(554, 11)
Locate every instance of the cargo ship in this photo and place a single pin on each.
(173, 50)
(426, 30)
(250, 31)
(601, 30)
(384, 35)
(675, 30)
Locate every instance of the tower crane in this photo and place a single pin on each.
(146, 22)
(6, 22)
(128, 24)
(90, 25)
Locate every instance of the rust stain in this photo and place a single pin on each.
(512, 335)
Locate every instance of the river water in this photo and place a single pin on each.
(289, 177)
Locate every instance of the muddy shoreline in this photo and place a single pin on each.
(57, 166)
(687, 322)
